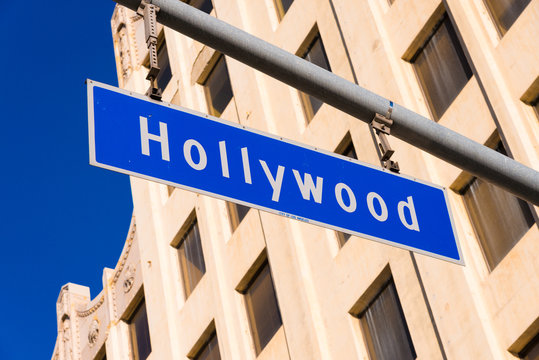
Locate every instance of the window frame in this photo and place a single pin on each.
(535, 106)
(234, 214)
(205, 343)
(527, 212)
(532, 345)
(306, 102)
(207, 92)
(253, 325)
(279, 7)
(197, 4)
(177, 243)
(461, 55)
(367, 332)
(133, 328)
(162, 69)
(500, 28)
(101, 353)
(343, 149)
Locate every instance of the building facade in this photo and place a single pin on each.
(201, 278)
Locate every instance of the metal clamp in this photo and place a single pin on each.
(382, 126)
(149, 12)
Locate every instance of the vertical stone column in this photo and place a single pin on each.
(71, 296)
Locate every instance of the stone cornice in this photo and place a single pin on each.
(92, 309)
(125, 254)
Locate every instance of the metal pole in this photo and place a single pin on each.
(408, 126)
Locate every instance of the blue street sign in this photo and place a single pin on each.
(134, 135)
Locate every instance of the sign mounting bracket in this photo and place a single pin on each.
(149, 12)
(381, 124)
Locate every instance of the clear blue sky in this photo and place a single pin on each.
(61, 220)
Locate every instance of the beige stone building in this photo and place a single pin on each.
(200, 278)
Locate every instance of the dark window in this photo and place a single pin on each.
(164, 76)
(442, 68)
(210, 350)
(342, 238)
(283, 6)
(203, 5)
(385, 328)
(349, 151)
(191, 258)
(505, 12)
(140, 333)
(218, 89)
(390, 2)
(536, 106)
(101, 354)
(531, 351)
(317, 55)
(236, 212)
(262, 308)
(499, 218)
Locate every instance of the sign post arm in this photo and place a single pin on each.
(350, 98)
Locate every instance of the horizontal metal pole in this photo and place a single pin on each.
(344, 95)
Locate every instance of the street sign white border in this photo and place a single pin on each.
(91, 138)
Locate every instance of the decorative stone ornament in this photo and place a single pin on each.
(66, 339)
(93, 332)
(122, 39)
(129, 278)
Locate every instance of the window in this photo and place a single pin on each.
(165, 74)
(283, 6)
(441, 67)
(262, 308)
(140, 333)
(203, 5)
(317, 55)
(342, 238)
(505, 12)
(531, 351)
(101, 354)
(210, 349)
(236, 213)
(499, 218)
(349, 151)
(536, 106)
(218, 89)
(191, 258)
(384, 326)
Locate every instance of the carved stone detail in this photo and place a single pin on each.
(136, 18)
(129, 278)
(122, 39)
(84, 313)
(124, 52)
(125, 255)
(121, 265)
(93, 332)
(66, 339)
